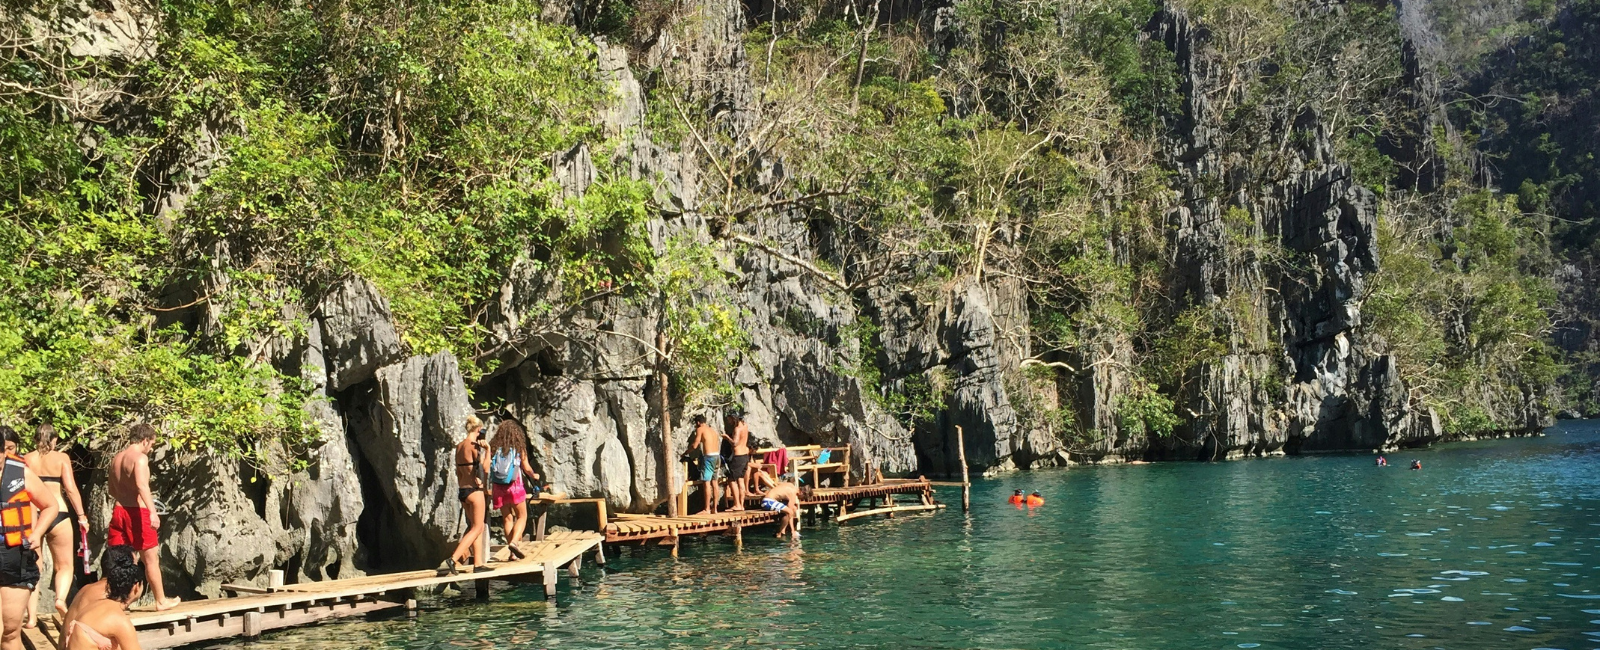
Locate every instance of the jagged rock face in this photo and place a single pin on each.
(406, 423)
(358, 334)
(1339, 390)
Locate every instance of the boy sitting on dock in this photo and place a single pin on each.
(785, 497)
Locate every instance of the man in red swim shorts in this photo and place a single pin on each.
(134, 520)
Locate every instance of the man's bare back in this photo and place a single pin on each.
(741, 439)
(786, 492)
(108, 618)
(708, 440)
(123, 482)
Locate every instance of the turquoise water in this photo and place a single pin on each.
(1490, 546)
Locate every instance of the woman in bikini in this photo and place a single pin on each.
(55, 469)
(510, 447)
(471, 468)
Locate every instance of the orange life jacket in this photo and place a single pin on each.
(1035, 501)
(16, 504)
(1016, 499)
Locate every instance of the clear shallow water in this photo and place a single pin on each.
(1492, 545)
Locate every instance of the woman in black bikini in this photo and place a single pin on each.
(55, 469)
(470, 472)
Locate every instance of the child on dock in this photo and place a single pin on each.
(508, 468)
(785, 497)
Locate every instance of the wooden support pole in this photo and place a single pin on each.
(572, 570)
(481, 589)
(252, 624)
(738, 537)
(966, 484)
(550, 570)
(411, 607)
(668, 459)
(600, 554)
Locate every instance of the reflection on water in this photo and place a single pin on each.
(1490, 546)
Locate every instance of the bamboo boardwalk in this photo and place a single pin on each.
(253, 613)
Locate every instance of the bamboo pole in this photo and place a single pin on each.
(966, 484)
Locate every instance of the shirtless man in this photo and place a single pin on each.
(739, 464)
(134, 521)
(98, 617)
(784, 497)
(710, 444)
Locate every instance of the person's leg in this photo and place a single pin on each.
(521, 513)
(478, 514)
(13, 606)
(30, 619)
(152, 576)
(60, 541)
(473, 504)
(788, 521)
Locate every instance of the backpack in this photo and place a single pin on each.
(503, 466)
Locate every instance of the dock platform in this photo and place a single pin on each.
(250, 610)
(250, 614)
(844, 502)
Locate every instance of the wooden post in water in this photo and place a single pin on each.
(966, 484)
(667, 457)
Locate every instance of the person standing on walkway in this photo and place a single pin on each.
(508, 469)
(19, 561)
(471, 473)
(134, 520)
(709, 442)
(739, 463)
(55, 470)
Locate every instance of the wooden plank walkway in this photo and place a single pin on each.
(301, 604)
(259, 610)
(667, 530)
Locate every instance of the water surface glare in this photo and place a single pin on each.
(1490, 546)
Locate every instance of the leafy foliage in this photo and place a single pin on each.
(412, 146)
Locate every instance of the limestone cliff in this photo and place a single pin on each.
(1277, 237)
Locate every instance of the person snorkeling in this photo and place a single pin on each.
(1035, 500)
(1016, 498)
(1416, 464)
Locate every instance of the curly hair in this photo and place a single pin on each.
(123, 573)
(509, 435)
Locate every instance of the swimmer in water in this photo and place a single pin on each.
(1016, 498)
(1035, 499)
(1383, 462)
(1416, 464)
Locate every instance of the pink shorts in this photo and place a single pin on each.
(507, 496)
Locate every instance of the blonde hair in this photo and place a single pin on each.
(473, 423)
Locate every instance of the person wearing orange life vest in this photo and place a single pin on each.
(1035, 500)
(1016, 498)
(19, 557)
